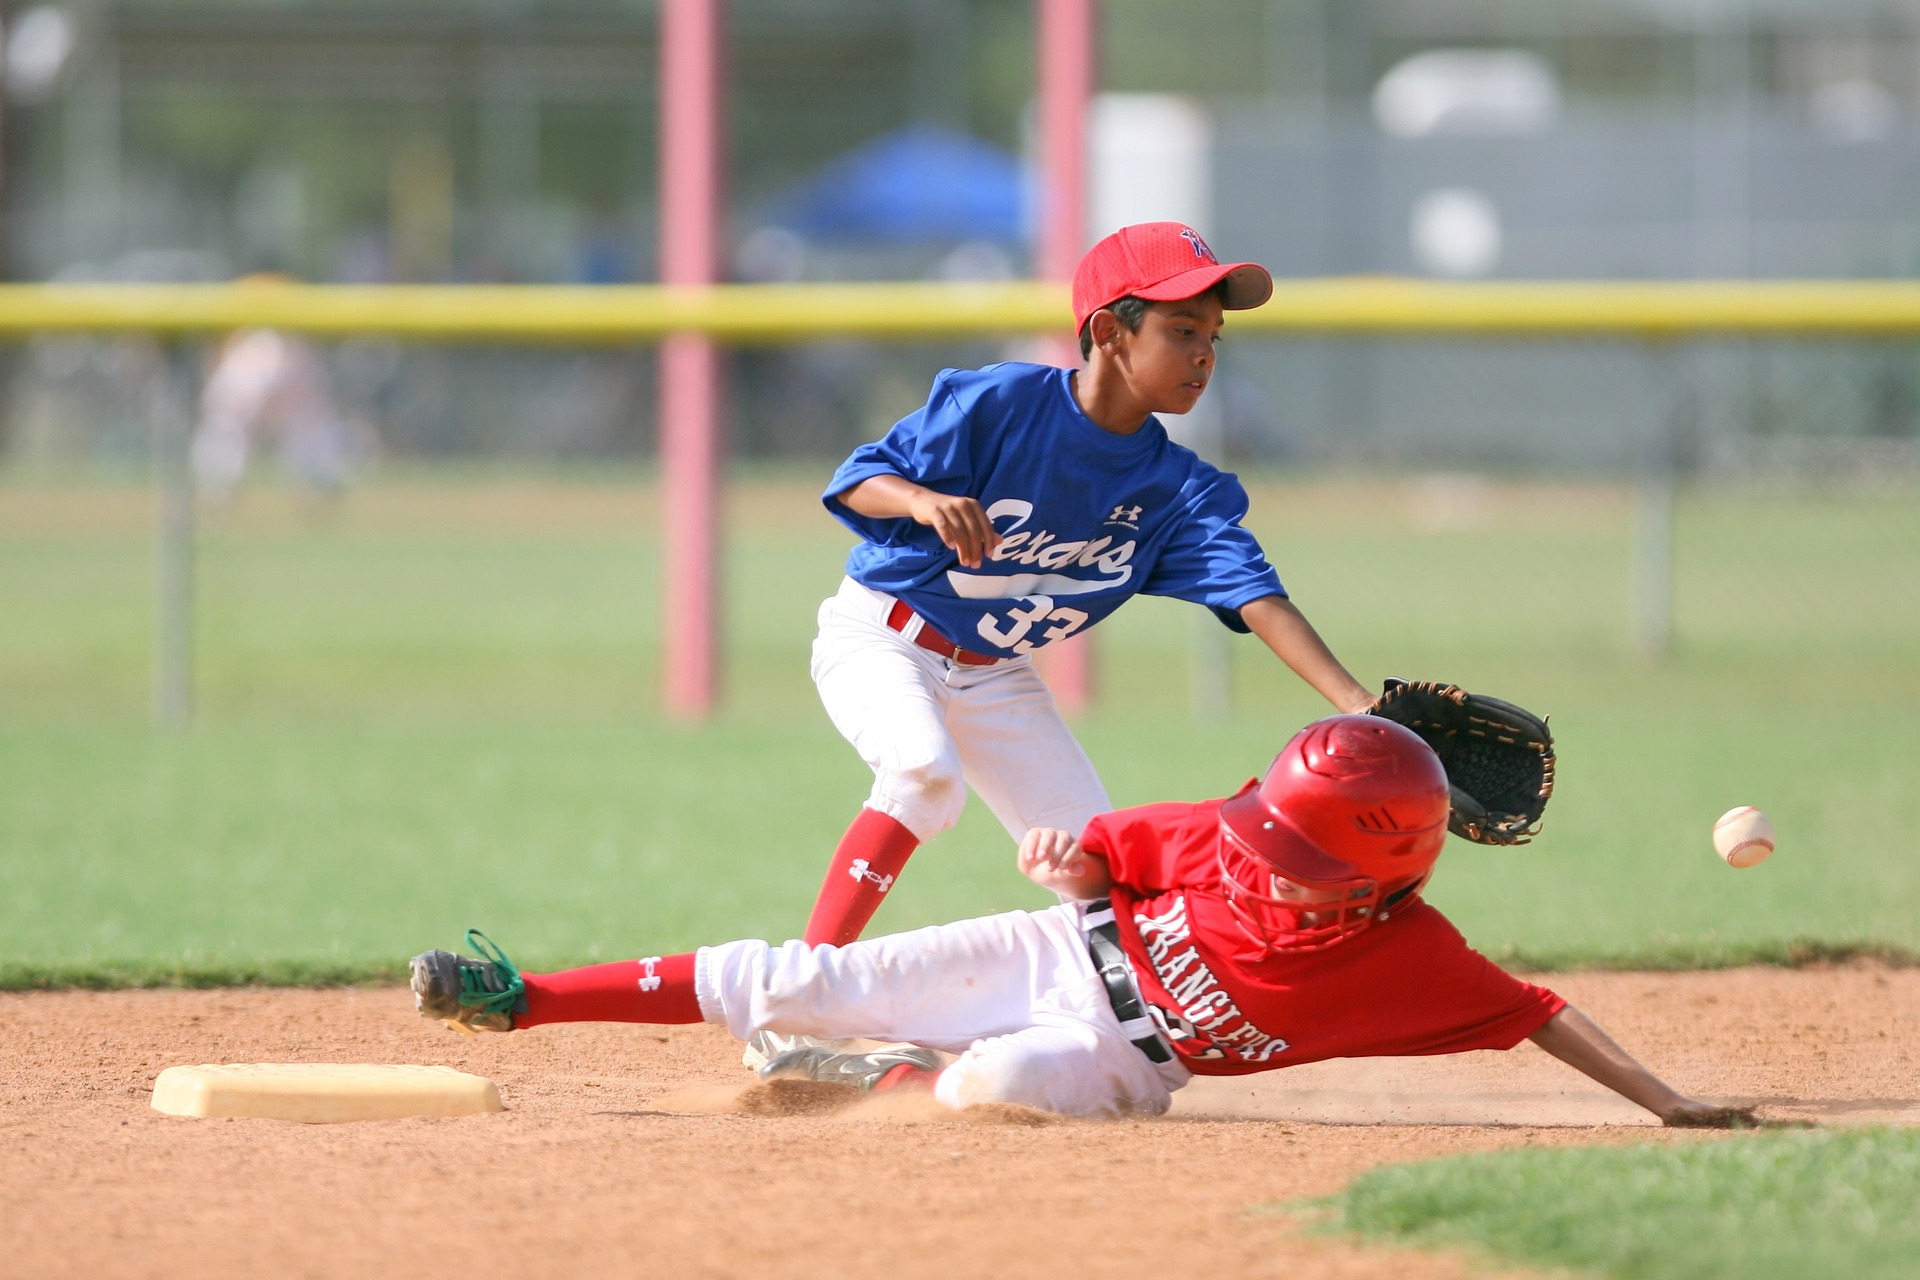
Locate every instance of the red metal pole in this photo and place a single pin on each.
(1066, 75)
(1066, 84)
(690, 223)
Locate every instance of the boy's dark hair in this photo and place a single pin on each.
(1132, 312)
(1129, 311)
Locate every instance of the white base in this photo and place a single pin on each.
(322, 1092)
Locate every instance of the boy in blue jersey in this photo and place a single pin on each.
(1020, 506)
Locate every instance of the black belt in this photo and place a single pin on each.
(1103, 944)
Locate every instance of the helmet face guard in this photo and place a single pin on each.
(1349, 818)
(1279, 913)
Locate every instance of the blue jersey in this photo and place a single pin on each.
(1086, 518)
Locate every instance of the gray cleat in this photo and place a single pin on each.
(764, 1046)
(862, 1070)
(469, 995)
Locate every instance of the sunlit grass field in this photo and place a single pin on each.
(435, 704)
(1778, 1206)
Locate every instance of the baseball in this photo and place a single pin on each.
(1743, 837)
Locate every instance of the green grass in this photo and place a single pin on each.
(437, 706)
(1768, 1206)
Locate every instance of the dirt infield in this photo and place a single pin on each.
(629, 1151)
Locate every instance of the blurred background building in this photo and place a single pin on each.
(515, 140)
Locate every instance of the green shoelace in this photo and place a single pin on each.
(473, 989)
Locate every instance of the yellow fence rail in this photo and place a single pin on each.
(799, 313)
(629, 314)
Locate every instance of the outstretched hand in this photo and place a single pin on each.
(1579, 1042)
(1689, 1113)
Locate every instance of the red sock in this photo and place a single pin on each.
(906, 1076)
(658, 989)
(863, 869)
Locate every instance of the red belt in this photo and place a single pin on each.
(927, 638)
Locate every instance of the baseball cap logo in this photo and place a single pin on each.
(1200, 249)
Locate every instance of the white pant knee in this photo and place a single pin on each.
(1067, 1067)
(1001, 1070)
(926, 797)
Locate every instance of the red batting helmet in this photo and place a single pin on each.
(1349, 819)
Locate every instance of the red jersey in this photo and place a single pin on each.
(1407, 985)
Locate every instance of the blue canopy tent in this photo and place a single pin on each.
(918, 185)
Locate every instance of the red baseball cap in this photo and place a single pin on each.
(1161, 262)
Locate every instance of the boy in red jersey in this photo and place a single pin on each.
(1279, 926)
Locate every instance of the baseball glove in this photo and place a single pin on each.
(1498, 757)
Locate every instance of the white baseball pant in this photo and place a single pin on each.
(928, 727)
(1015, 995)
